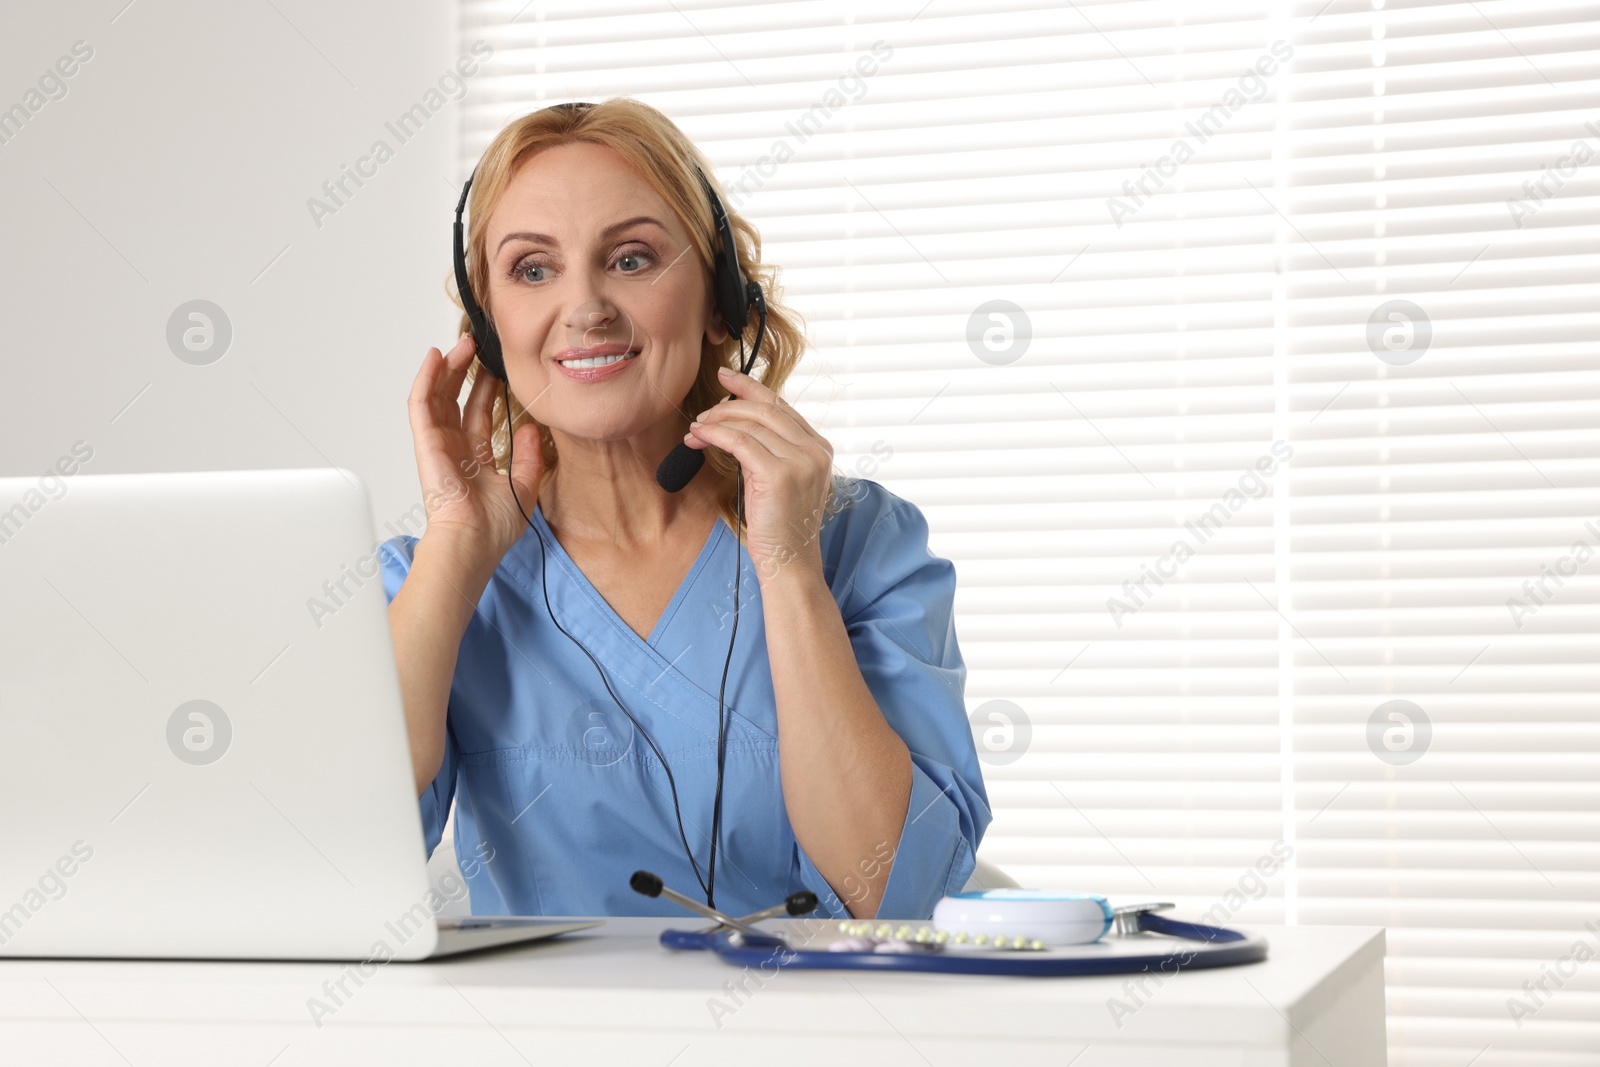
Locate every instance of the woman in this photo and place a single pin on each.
(849, 767)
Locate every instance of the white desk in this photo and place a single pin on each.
(612, 995)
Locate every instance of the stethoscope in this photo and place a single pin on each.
(738, 942)
(741, 931)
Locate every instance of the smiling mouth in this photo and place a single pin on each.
(596, 356)
(598, 361)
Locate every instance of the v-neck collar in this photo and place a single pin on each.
(712, 540)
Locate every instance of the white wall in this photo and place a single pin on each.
(177, 166)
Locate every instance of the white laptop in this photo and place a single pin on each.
(203, 752)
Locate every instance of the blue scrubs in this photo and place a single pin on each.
(563, 799)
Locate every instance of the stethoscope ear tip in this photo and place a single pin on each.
(802, 902)
(646, 884)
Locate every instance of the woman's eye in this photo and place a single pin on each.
(644, 258)
(527, 270)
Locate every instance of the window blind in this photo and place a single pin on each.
(1439, 157)
(1109, 291)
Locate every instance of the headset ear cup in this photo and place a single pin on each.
(489, 352)
(484, 337)
(732, 303)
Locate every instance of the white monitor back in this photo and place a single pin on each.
(138, 823)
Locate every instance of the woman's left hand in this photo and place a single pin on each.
(788, 472)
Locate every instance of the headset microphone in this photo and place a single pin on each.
(736, 296)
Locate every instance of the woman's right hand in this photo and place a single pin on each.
(462, 493)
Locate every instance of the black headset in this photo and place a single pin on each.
(736, 296)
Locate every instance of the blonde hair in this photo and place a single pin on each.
(665, 158)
